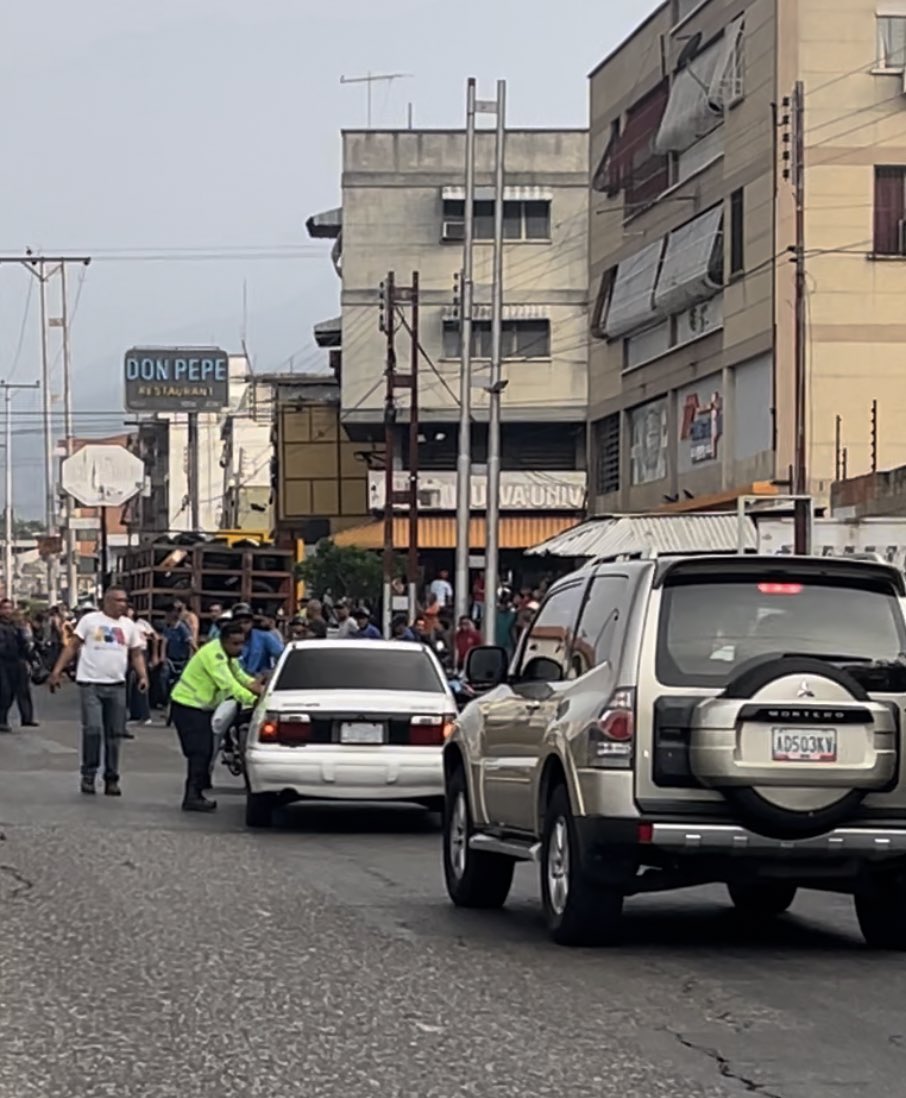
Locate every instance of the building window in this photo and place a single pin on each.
(737, 232)
(518, 339)
(606, 178)
(892, 42)
(522, 220)
(890, 211)
(606, 443)
(602, 302)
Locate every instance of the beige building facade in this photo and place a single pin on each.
(691, 363)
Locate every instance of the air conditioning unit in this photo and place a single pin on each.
(453, 230)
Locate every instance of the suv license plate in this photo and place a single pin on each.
(361, 732)
(797, 745)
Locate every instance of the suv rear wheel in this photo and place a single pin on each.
(761, 899)
(474, 878)
(579, 910)
(881, 911)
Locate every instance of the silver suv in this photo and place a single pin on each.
(688, 720)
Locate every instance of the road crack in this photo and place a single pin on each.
(21, 883)
(725, 1067)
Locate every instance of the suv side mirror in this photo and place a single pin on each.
(487, 666)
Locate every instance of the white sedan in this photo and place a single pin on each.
(349, 720)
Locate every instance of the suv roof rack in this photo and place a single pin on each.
(660, 554)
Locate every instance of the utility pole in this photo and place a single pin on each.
(802, 521)
(45, 268)
(496, 387)
(412, 556)
(370, 79)
(8, 388)
(71, 575)
(464, 456)
(389, 425)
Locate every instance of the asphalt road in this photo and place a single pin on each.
(153, 954)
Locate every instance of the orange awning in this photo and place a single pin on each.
(439, 532)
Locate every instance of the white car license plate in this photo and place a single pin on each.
(801, 745)
(361, 732)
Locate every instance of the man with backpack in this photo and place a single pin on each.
(13, 653)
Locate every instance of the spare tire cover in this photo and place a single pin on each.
(782, 812)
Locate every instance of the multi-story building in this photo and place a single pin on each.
(692, 363)
(403, 209)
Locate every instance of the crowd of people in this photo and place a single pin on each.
(126, 665)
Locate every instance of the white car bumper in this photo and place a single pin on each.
(347, 773)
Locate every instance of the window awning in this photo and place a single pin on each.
(510, 194)
(439, 532)
(632, 298)
(510, 312)
(693, 264)
(327, 225)
(329, 333)
(701, 92)
(635, 161)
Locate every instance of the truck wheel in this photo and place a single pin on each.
(579, 911)
(761, 899)
(881, 911)
(474, 878)
(259, 809)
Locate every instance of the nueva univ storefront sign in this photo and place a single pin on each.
(519, 491)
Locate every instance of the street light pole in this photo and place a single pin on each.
(495, 389)
(464, 456)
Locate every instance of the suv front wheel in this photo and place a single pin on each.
(579, 910)
(474, 878)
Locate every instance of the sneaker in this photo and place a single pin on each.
(31, 724)
(148, 723)
(5, 728)
(88, 785)
(112, 789)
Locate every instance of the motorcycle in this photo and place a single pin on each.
(230, 725)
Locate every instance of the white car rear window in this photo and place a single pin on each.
(382, 666)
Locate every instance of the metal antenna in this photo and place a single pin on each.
(372, 78)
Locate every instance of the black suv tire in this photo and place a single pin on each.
(761, 899)
(586, 912)
(474, 878)
(881, 911)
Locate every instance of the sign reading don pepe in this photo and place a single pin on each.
(175, 379)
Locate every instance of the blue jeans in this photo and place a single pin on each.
(103, 720)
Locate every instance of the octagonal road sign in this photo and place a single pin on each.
(103, 476)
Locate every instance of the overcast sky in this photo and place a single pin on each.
(212, 126)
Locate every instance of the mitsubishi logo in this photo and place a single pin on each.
(805, 691)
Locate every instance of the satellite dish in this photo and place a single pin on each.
(690, 51)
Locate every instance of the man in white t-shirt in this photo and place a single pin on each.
(106, 642)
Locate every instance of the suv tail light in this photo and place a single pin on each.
(431, 731)
(611, 738)
(285, 728)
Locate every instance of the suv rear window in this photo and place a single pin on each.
(381, 667)
(709, 628)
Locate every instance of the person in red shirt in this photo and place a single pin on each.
(466, 638)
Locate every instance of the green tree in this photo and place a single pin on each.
(346, 571)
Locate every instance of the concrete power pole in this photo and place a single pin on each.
(496, 386)
(802, 522)
(8, 570)
(389, 316)
(45, 268)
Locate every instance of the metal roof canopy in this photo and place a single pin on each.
(632, 535)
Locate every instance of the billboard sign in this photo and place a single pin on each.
(519, 491)
(173, 379)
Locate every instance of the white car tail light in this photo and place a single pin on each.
(432, 730)
(285, 728)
